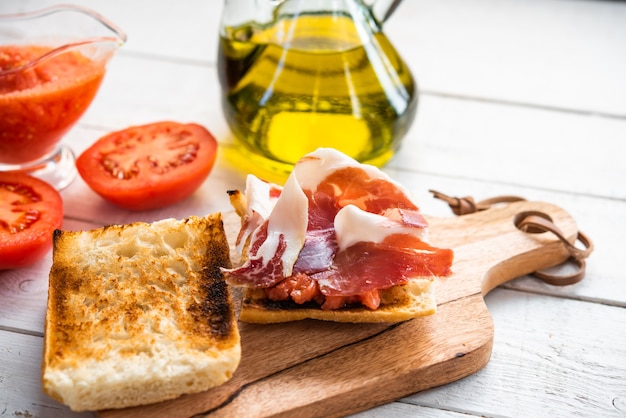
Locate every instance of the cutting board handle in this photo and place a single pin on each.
(530, 222)
(505, 239)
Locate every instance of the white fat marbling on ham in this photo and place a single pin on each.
(277, 241)
(259, 197)
(259, 205)
(315, 167)
(353, 225)
(288, 219)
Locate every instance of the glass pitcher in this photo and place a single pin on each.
(301, 74)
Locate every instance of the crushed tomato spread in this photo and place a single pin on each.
(40, 102)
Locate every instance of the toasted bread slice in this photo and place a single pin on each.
(138, 314)
(399, 303)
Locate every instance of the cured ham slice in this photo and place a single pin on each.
(338, 232)
(276, 242)
(254, 207)
(391, 253)
(367, 266)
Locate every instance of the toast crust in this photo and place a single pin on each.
(139, 313)
(400, 303)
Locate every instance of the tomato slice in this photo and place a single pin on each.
(149, 166)
(30, 211)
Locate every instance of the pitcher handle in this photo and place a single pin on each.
(382, 9)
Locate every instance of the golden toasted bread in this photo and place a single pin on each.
(138, 314)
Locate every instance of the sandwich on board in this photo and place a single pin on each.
(341, 241)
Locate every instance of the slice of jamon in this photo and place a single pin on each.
(367, 266)
(254, 206)
(393, 254)
(275, 244)
(348, 226)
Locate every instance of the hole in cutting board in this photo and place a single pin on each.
(523, 215)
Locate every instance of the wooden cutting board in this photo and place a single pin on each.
(315, 368)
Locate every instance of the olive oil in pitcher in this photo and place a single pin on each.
(310, 82)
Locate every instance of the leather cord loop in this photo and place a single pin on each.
(464, 205)
(536, 221)
(566, 279)
(577, 255)
(531, 223)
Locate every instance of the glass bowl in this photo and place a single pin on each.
(52, 62)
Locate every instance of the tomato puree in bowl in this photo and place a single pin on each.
(40, 101)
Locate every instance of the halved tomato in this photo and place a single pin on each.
(30, 211)
(149, 166)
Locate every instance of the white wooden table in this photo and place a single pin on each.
(517, 97)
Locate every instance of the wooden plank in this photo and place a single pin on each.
(567, 353)
(517, 146)
(134, 92)
(24, 292)
(528, 362)
(187, 30)
(528, 148)
(20, 386)
(401, 409)
(553, 53)
(561, 54)
(561, 353)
